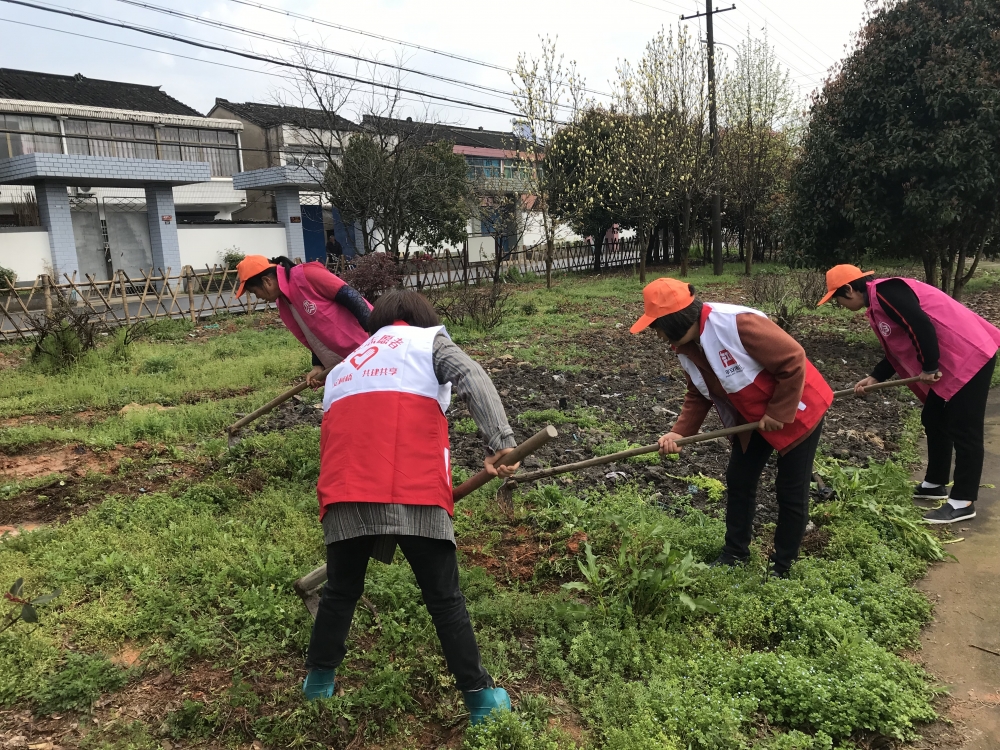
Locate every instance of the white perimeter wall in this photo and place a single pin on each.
(205, 245)
(25, 252)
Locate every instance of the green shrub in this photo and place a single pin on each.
(77, 683)
(506, 731)
(158, 364)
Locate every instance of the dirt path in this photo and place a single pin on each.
(967, 613)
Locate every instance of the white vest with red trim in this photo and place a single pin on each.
(385, 436)
(749, 386)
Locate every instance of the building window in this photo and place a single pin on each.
(479, 167)
(22, 134)
(306, 160)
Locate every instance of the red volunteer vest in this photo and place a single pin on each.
(319, 323)
(746, 382)
(965, 340)
(385, 437)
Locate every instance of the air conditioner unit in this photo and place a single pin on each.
(83, 192)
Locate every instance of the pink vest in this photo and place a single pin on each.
(746, 382)
(385, 436)
(328, 329)
(966, 341)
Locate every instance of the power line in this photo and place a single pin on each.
(786, 38)
(412, 45)
(797, 72)
(254, 56)
(189, 57)
(243, 30)
(792, 68)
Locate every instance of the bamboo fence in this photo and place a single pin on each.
(198, 294)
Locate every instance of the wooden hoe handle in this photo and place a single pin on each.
(523, 450)
(641, 450)
(877, 387)
(272, 404)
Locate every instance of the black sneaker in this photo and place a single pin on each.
(949, 514)
(930, 493)
(728, 559)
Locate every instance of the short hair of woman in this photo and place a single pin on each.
(858, 285)
(406, 305)
(675, 325)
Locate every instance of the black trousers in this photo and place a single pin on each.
(957, 426)
(791, 486)
(435, 566)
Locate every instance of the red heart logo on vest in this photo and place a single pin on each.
(359, 359)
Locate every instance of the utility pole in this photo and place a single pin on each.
(713, 124)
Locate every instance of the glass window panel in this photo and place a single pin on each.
(15, 144)
(126, 149)
(103, 148)
(4, 153)
(145, 133)
(226, 138)
(191, 153)
(189, 135)
(99, 128)
(169, 134)
(209, 136)
(76, 127)
(122, 130)
(229, 161)
(45, 124)
(23, 122)
(78, 146)
(48, 144)
(170, 152)
(27, 143)
(145, 150)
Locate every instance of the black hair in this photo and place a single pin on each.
(257, 281)
(406, 305)
(675, 325)
(858, 285)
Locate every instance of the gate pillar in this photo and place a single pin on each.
(53, 210)
(162, 218)
(289, 214)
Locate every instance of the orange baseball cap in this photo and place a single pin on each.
(662, 297)
(249, 267)
(840, 275)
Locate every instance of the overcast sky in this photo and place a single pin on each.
(809, 36)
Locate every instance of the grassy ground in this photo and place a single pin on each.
(176, 623)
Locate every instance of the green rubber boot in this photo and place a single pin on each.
(320, 683)
(481, 703)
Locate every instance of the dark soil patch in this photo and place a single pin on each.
(293, 413)
(77, 486)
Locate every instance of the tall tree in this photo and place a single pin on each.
(398, 179)
(760, 122)
(662, 164)
(902, 153)
(581, 170)
(547, 94)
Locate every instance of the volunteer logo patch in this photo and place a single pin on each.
(884, 328)
(309, 306)
(359, 359)
(728, 360)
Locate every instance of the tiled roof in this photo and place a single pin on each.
(269, 115)
(474, 137)
(90, 92)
